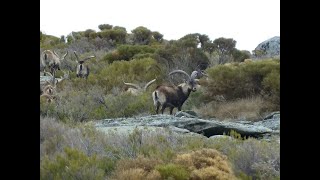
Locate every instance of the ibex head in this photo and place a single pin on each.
(191, 83)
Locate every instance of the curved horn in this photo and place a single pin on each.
(59, 80)
(194, 74)
(76, 55)
(54, 52)
(179, 71)
(45, 72)
(88, 58)
(148, 84)
(65, 55)
(131, 84)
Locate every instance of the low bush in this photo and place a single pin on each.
(201, 164)
(238, 81)
(127, 52)
(251, 158)
(251, 108)
(74, 164)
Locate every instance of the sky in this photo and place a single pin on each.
(249, 22)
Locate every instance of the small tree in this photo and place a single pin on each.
(87, 32)
(70, 38)
(224, 47)
(157, 36)
(240, 56)
(142, 35)
(104, 26)
(62, 39)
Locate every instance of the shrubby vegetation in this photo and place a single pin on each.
(73, 149)
(150, 153)
(246, 80)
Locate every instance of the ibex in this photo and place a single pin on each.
(52, 60)
(137, 89)
(50, 87)
(174, 96)
(82, 69)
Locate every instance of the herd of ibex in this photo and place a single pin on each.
(52, 61)
(171, 96)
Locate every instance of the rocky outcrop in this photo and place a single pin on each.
(268, 48)
(43, 79)
(186, 124)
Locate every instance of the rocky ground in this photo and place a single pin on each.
(187, 123)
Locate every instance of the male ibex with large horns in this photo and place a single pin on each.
(137, 89)
(82, 69)
(174, 96)
(52, 60)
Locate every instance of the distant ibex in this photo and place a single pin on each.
(82, 69)
(137, 89)
(50, 87)
(52, 60)
(174, 96)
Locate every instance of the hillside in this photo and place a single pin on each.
(104, 125)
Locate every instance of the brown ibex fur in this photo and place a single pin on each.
(174, 96)
(50, 59)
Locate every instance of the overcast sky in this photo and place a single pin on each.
(249, 22)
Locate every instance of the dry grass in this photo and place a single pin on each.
(206, 164)
(251, 157)
(203, 164)
(147, 164)
(248, 108)
(136, 169)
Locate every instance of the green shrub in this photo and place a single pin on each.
(251, 108)
(143, 55)
(245, 80)
(271, 84)
(200, 164)
(74, 164)
(173, 171)
(127, 105)
(116, 35)
(127, 52)
(137, 70)
(251, 158)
